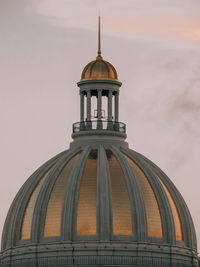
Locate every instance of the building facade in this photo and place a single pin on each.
(99, 203)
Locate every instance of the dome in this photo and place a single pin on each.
(99, 203)
(98, 200)
(99, 69)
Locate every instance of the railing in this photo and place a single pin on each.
(99, 125)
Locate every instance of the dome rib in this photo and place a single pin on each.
(189, 236)
(91, 67)
(136, 199)
(104, 201)
(15, 216)
(166, 215)
(44, 195)
(86, 68)
(108, 68)
(113, 69)
(68, 226)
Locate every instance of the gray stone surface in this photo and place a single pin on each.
(107, 250)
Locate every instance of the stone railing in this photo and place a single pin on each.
(99, 125)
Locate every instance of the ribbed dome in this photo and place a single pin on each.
(99, 69)
(98, 194)
(99, 203)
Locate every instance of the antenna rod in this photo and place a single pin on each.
(99, 38)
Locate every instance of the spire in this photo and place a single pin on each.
(99, 39)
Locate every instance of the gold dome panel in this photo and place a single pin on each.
(99, 69)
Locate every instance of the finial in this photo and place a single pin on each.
(99, 39)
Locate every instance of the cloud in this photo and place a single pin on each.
(185, 107)
(172, 20)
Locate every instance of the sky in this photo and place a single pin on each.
(155, 48)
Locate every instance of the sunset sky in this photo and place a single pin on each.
(155, 47)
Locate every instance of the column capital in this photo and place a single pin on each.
(99, 90)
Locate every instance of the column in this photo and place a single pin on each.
(88, 105)
(99, 101)
(81, 106)
(109, 105)
(117, 106)
(110, 123)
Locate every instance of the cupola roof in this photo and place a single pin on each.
(99, 69)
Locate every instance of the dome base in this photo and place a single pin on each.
(99, 254)
(97, 137)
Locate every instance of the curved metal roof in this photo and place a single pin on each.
(99, 193)
(99, 69)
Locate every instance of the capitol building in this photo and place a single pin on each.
(99, 203)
